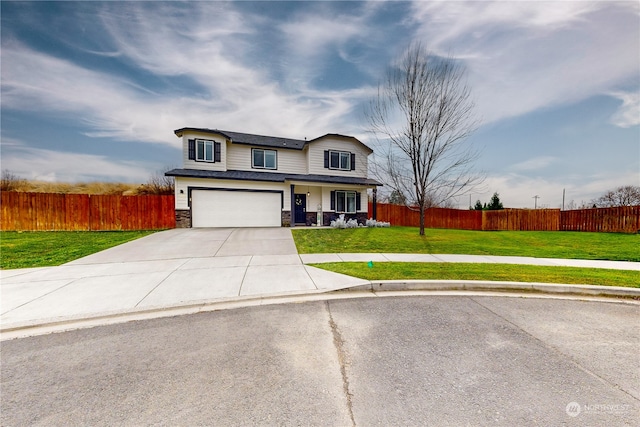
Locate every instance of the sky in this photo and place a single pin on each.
(94, 90)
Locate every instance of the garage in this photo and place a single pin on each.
(241, 208)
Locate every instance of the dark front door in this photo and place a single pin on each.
(300, 211)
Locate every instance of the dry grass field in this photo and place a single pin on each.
(157, 184)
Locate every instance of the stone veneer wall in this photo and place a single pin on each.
(286, 218)
(183, 218)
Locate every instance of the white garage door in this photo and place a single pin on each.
(213, 208)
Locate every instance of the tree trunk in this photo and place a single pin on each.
(422, 219)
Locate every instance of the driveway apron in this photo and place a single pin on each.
(166, 269)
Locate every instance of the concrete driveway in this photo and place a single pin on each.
(184, 243)
(166, 269)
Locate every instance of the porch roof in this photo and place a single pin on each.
(271, 177)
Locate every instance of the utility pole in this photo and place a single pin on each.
(536, 197)
(563, 198)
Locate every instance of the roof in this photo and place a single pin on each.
(270, 176)
(337, 135)
(250, 139)
(266, 141)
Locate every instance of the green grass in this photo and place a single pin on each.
(493, 272)
(540, 244)
(47, 248)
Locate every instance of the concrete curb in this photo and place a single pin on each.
(45, 326)
(61, 324)
(474, 285)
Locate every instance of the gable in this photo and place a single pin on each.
(348, 140)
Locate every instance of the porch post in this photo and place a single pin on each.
(293, 207)
(375, 203)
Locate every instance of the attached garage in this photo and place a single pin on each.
(237, 208)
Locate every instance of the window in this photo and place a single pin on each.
(346, 201)
(264, 159)
(202, 150)
(339, 160)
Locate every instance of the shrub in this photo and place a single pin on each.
(11, 182)
(342, 223)
(373, 223)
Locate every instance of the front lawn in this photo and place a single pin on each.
(493, 272)
(540, 244)
(47, 248)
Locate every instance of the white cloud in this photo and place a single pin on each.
(235, 94)
(535, 163)
(517, 190)
(524, 56)
(629, 113)
(49, 165)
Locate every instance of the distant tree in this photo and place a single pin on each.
(397, 198)
(572, 205)
(10, 181)
(158, 184)
(495, 203)
(628, 195)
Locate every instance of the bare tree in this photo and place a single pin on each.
(424, 111)
(628, 195)
(11, 181)
(158, 184)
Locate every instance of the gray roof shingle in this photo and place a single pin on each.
(250, 139)
(270, 176)
(266, 141)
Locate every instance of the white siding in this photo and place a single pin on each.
(316, 157)
(184, 183)
(321, 194)
(289, 161)
(192, 164)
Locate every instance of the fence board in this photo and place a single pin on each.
(611, 220)
(624, 219)
(82, 212)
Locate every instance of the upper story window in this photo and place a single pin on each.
(264, 159)
(202, 150)
(339, 160)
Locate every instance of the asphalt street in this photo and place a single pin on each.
(397, 360)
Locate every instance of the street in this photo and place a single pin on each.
(402, 360)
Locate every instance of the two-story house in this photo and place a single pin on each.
(231, 179)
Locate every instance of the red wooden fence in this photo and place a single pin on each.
(82, 212)
(623, 219)
(46, 211)
(521, 220)
(618, 220)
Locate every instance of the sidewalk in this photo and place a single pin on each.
(85, 289)
(489, 259)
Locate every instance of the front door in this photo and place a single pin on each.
(300, 211)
